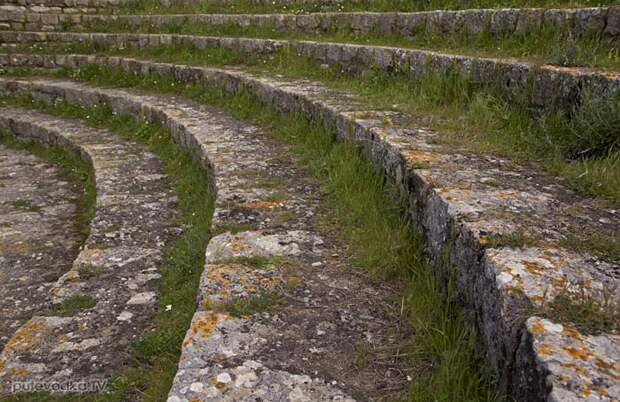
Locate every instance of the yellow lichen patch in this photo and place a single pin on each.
(187, 340)
(570, 332)
(586, 393)
(576, 353)
(27, 336)
(419, 156)
(18, 371)
(206, 324)
(2, 366)
(262, 204)
(533, 268)
(538, 328)
(605, 365)
(573, 367)
(217, 384)
(545, 349)
(72, 276)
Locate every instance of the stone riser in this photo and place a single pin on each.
(543, 87)
(586, 21)
(454, 245)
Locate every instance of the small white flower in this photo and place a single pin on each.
(169, 307)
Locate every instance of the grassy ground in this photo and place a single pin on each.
(363, 205)
(581, 146)
(73, 168)
(245, 6)
(545, 46)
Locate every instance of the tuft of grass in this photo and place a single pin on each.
(514, 240)
(248, 306)
(605, 247)
(582, 311)
(25, 205)
(74, 304)
(89, 271)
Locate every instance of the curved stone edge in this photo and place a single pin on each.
(545, 86)
(485, 277)
(509, 21)
(231, 149)
(117, 268)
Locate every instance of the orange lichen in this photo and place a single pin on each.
(545, 349)
(537, 328)
(571, 333)
(416, 155)
(72, 276)
(205, 324)
(532, 267)
(27, 336)
(582, 354)
(18, 371)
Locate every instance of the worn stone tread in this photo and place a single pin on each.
(548, 86)
(457, 210)
(302, 354)
(39, 237)
(118, 267)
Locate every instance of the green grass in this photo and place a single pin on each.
(248, 306)
(606, 247)
(74, 304)
(363, 209)
(543, 46)
(155, 357)
(245, 6)
(72, 167)
(25, 205)
(587, 314)
(580, 145)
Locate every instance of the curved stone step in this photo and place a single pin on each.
(459, 201)
(39, 237)
(502, 21)
(108, 298)
(546, 86)
(289, 351)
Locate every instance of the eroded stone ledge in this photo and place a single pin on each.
(457, 208)
(290, 352)
(39, 237)
(584, 21)
(108, 298)
(545, 86)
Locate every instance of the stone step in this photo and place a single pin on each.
(459, 202)
(39, 237)
(290, 351)
(115, 273)
(504, 21)
(546, 86)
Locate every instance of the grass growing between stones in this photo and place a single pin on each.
(543, 46)
(297, 7)
(74, 168)
(363, 208)
(155, 357)
(74, 305)
(581, 146)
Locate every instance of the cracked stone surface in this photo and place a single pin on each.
(117, 268)
(39, 238)
(458, 199)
